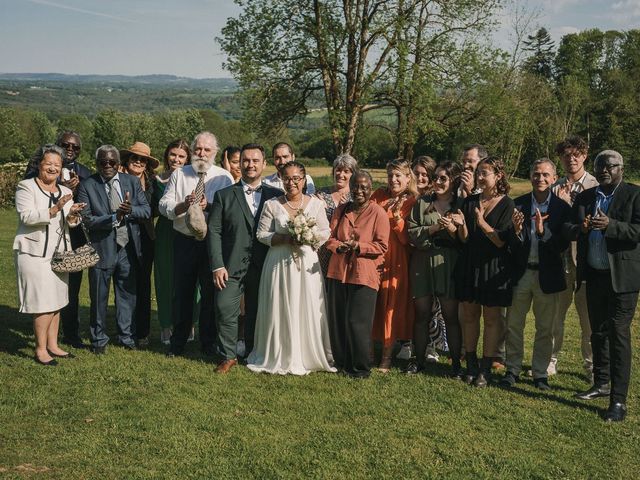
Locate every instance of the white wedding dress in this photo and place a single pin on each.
(292, 333)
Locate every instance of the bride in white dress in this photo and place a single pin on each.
(292, 334)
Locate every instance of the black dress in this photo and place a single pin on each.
(483, 270)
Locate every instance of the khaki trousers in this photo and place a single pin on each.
(579, 298)
(544, 307)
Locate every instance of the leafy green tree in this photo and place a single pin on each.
(542, 48)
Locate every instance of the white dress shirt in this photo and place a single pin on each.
(276, 182)
(251, 196)
(182, 183)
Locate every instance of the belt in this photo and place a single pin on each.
(533, 266)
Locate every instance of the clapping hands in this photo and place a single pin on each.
(518, 221)
(125, 208)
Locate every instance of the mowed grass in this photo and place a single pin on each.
(130, 415)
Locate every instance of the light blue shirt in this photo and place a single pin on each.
(597, 256)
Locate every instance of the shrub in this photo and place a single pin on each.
(10, 175)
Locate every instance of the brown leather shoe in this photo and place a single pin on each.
(225, 366)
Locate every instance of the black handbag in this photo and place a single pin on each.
(74, 260)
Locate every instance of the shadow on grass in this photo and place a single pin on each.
(548, 395)
(16, 335)
(16, 331)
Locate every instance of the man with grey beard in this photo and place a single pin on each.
(193, 184)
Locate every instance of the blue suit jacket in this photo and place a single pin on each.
(98, 217)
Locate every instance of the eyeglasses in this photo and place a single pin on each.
(607, 166)
(291, 179)
(484, 173)
(73, 146)
(441, 179)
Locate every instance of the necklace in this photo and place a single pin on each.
(291, 206)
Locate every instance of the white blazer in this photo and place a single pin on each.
(35, 228)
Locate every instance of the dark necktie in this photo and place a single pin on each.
(199, 191)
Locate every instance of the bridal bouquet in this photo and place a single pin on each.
(304, 230)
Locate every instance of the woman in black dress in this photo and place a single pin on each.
(483, 272)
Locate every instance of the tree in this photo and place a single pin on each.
(542, 49)
(352, 55)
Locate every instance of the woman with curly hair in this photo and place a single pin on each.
(483, 274)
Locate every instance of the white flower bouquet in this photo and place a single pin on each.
(304, 230)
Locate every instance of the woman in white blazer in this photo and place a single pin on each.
(45, 209)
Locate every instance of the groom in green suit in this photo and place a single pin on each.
(236, 255)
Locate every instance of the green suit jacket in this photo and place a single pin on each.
(232, 229)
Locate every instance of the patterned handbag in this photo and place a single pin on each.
(74, 260)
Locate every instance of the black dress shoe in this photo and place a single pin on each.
(51, 363)
(456, 372)
(509, 380)
(130, 346)
(98, 350)
(541, 383)
(67, 355)
(480, 381)
(616, 412)
(76, 344)
(593, 393)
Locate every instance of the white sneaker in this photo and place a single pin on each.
(405, 351)
(431, 355)
(240, 348)
(552, 369)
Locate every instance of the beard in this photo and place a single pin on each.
(201, 164)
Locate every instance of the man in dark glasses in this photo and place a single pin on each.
(606, 225)
(73, 172)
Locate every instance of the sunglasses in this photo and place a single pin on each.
(73, 146)
(137, 159)
(109, 163)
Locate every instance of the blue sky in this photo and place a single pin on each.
(135, 37)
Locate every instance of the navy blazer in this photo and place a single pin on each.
(550, 258)
(98, 218)
(622, 236)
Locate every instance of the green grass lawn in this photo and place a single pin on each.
(130, 415)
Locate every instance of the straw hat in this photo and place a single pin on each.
(142, 150)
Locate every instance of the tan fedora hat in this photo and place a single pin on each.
(142, 150)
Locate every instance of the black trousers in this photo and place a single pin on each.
(351, 309)
(69, 315)
(610, 316)
(143, 286)
(190, 265)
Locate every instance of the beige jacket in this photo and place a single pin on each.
(35, 228)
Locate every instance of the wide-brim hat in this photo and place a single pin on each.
(142, 150)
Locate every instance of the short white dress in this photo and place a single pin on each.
(40, 289)
(292, 333)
